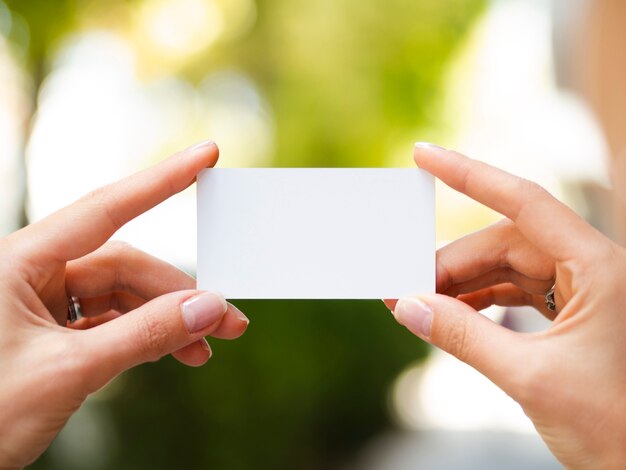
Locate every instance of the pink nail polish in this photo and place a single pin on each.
(202, 311)
(428, 146)
(239, 314)
(204, 345)
(199, 145)
(415, 315)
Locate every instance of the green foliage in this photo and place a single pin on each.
(305, 386)
(351, 80)
(47, 23)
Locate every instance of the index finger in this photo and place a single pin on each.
(85, 225)
(546, 222)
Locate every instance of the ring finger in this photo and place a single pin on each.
(501, 276)
(507, 295)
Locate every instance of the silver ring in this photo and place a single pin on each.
(74, 311)
(550, 303)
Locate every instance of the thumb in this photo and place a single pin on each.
(157, 328)
(460, 330)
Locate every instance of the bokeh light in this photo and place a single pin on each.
(180, 28)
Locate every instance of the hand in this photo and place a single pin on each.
(571, 379)
(136, 308)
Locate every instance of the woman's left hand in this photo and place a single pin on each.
(136, 308)
(569, 379)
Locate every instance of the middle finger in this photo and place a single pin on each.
(501, 276)
(499, 246)
(119, 267)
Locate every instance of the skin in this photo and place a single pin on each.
(132, 302)
(571, 379)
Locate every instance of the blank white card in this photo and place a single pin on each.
(316, 233)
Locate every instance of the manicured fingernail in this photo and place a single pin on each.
(203, 310)
(204, 345)
(428, 146)
(415, 315)
(199, 145)
(239, 314)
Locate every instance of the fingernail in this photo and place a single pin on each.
(205, 345)
(239, 314)
(415, 315)
(428, 146)
(203, 310)
(199, 145)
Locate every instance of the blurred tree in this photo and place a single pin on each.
(349, 82)
(34, 35)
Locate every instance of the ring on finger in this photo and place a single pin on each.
(550, 303)
(74, 310)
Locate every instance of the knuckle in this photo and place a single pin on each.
(95, 196)
(100, 199)
(506, 230)
(153, 338)
(505, 225)
(501, 236)
(530, 188)
(531, 194)
(456, 340)
(119, 248)
(18, 255)
(119, 255)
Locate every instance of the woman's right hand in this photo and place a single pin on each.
(137, 308)
(571, 379)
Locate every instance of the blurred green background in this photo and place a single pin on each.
(340, 83)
